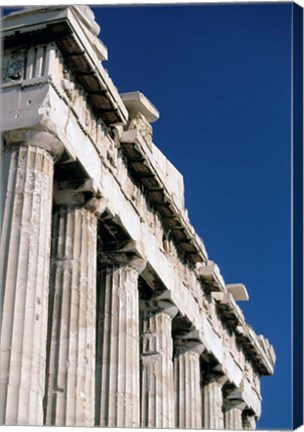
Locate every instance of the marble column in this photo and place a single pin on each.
(213, 416)
(249, 421)
(70, 381)
(157, 384)
(25, 251)
(188, 400)
(233, 414)
(118, 346)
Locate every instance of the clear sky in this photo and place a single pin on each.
(220, 77)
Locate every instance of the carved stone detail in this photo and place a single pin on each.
(157, 406)
(118, 400)
(70, 385)
(233, 414)
(213, 416)
(187, 373)
(13, 67)
(35, 138)
(25, 250)
(139, 122)
(249, 422)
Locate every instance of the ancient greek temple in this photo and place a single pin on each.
(112, 313)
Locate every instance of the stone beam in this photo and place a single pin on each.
(75, 31)
(209, 274)
(167, 206)
(238, 291)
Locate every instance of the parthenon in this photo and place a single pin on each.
(112, 313)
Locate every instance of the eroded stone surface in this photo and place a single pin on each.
(25, 250)
(213, 416)
(188, 398)
(70, 382)
(118, 347)
(157, 380)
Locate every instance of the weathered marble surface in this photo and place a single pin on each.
(70, 381)
(119, 347)
(25, 251)
(157, 379)
(187, 375)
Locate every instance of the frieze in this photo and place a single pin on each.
(13, 66)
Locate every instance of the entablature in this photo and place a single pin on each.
(258, 348)
(71, 29)
(260, 353)
(141, 161)
(210, 276)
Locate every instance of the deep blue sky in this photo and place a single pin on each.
(220, 77)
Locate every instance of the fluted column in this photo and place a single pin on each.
(118, 346)
(249, 421)
(70, 384)
(213, 416)
(188, 401)
(25, 251)
(157, 385)
(233, 415)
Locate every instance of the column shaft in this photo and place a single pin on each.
(249, 422)
(71, 340)
(25, 250)
(233, 419)
(157, 386)
(213, 417)
(187, 390)
(118, 348)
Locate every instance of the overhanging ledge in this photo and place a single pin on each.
(137, 152)
(80, 47)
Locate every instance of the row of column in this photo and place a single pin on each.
(173, 393)
(54, 369)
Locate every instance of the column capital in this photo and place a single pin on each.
(121, 253)
(182, 344)
(78, 193)
(137, 264)
(156, 305)
(214, 376)
(249, 421)
(230, 404)
(119, 260)
(233, 413)
(35, 138)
